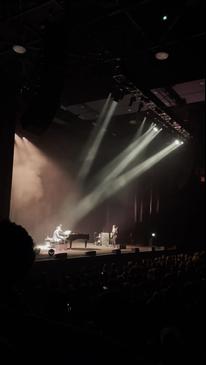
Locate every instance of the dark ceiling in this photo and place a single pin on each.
(91, 37)
(74, 48)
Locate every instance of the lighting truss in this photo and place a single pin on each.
(166, 120)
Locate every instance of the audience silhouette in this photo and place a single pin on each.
(146, 310)
(17, 253)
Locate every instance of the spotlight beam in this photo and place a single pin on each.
(92, 138)
(140, 130)
(135, 172)
(138, 143)
(131, 156)
(97, 136)
(104, 191)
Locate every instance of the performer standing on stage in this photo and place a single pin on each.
(114, 234)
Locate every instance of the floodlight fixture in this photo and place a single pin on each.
(17, 48)
(161, 56)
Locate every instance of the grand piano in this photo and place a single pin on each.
(77, 236)
(68, 237)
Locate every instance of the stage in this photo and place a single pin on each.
(78, 250)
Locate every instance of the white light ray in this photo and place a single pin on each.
(128, 151)
(140, 130)
(104, 191)
(131, 156)
(97, 136)
(125, 179)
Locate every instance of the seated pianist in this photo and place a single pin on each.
(59, 236)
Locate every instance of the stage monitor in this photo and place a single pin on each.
(61, 256)
(90, 253)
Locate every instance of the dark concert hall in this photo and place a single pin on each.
(102, 182)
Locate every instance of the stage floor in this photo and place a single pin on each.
(79, 250)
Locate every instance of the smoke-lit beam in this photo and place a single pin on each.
(97, 137)
(119, 163)
(132, 155)
(141, 128)
(17, 139)
(104, 191)
(135, 172)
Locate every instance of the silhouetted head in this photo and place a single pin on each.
(17, 253)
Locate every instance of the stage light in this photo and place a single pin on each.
(153, 234)
(155, 129)
(19, 49)
(18, 141)
(178, 142)
(51, 252)
(161, 56)
(164, 17)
